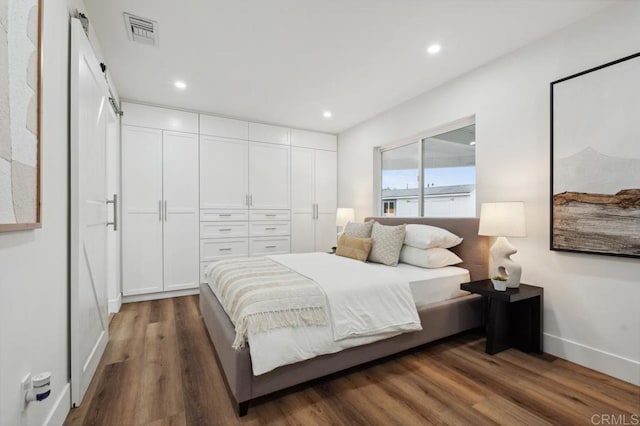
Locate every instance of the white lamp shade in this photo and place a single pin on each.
(344, 215)
(502, 219)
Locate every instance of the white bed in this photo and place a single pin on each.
(419, 287)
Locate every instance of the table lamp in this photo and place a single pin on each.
(504, 220)
(344, 215)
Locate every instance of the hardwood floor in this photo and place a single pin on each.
(160, 369)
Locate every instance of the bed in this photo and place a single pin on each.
(444, 318)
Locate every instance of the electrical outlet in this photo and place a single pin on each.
(25, 386)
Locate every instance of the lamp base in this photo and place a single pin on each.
(501, 252)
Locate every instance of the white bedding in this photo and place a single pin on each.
(283, 346)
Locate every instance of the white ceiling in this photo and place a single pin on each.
(286, 61)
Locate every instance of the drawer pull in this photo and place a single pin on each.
(270, 229)
(270, 247)
(271, 215)
(224, 249)
(225, 229)
(224, 215)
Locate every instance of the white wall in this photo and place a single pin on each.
(591, 313)
(34, 291)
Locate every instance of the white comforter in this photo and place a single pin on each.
(365, 305)
(360, 303)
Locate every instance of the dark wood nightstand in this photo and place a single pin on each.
(514, 316)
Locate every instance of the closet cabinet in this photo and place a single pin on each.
(245, 192)
(160, 211)
(313, 192)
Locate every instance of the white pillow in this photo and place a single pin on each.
(428, 258)
(425, 237)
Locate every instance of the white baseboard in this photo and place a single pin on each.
(162, 295)
(61, 408)
(115, 304)
(596, 359)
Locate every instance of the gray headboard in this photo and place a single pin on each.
(474, 249)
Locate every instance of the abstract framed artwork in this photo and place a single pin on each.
(595, 160)
(20, 100)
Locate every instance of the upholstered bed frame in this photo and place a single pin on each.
(443, 319)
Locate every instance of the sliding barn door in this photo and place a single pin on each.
(89, 105)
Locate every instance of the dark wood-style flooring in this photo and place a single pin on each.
(160, 369)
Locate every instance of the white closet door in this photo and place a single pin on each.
(181, 214)
(223, 173)
(325, 231)
(326, 183)
(89, 104)
(141, 210)
(269, 179)
(302, 200)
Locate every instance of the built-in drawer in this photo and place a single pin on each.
(215, 215)
(269, 229)
(270, 214)
(263, 246)
(224, 230)
(216, 249)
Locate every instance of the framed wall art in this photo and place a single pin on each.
(20, 99)
(595, 160)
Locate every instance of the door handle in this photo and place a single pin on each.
(115, 212)
(160, 210)
(165, 210)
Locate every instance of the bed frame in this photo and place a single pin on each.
(444, 319)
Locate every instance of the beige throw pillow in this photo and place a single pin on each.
(387, 243)
(360, 230)
(354, 247)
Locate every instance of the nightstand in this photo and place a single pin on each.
(514, 316)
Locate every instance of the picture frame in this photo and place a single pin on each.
(20, 114)
(595, 160)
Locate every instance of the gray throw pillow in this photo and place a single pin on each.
(387, 243)
(359, 230)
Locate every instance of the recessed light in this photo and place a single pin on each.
(327, 114)
(180, 84)
(433, 49)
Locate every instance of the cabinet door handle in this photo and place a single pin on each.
(165, 211)
(160, 210)
(115, 212)
(246, 200)
(251, 200)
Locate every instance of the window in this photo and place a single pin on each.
(400, 179)
(445, 163)
(389, 208)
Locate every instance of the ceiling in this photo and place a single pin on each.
(287, 61)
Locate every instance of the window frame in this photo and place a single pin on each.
(417, 138)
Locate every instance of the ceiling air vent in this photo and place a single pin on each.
(141, 30)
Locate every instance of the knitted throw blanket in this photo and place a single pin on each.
(259, 294)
